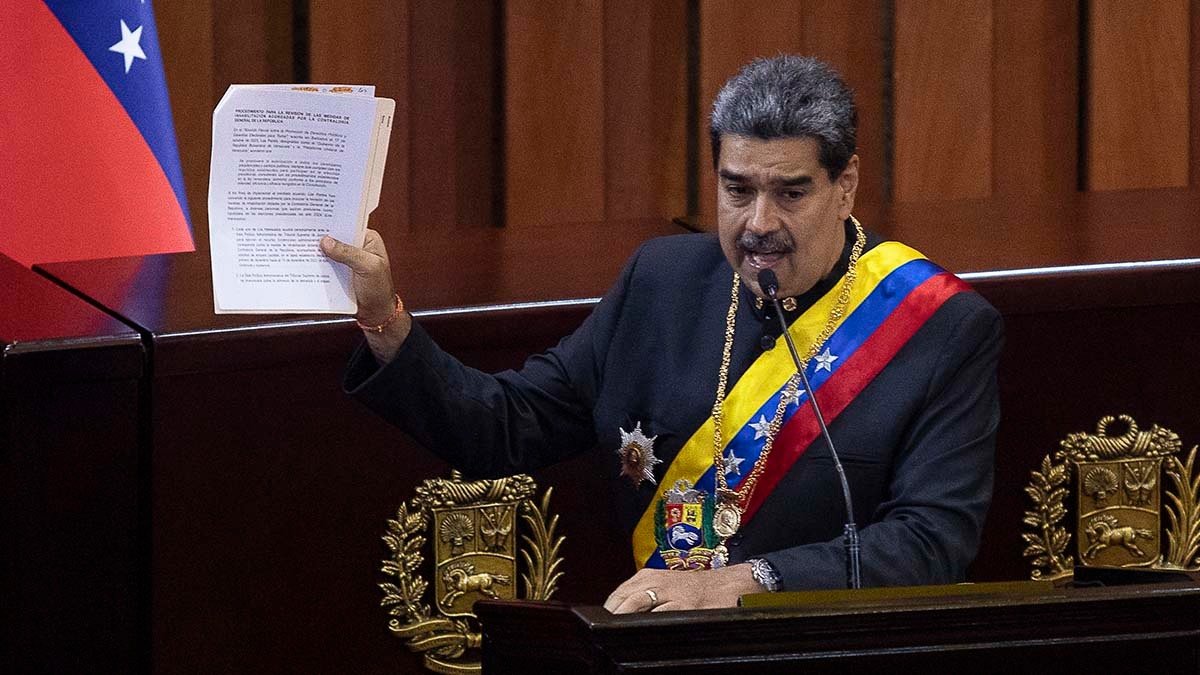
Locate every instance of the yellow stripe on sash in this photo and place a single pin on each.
(765, 377)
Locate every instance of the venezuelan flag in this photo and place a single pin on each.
(89, 167)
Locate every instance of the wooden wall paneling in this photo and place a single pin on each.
(1035, 102)
(185, 36)
(943, 100)
(455, 170)
(732, 33)
(553, 112)
(254, 40)
(852, 37)
(645, 109)
(1194, 102)
(366, 41)
(1137, 112)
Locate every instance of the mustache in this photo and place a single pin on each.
(778, 241)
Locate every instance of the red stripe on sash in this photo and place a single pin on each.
(851, 378)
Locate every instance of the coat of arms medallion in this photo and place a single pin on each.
(1125, 480)
(489, 540)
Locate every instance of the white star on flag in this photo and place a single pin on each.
(761, 428)
(825, 361)
(732, 464)
(129, 46)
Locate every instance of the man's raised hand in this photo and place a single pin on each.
(371, 282)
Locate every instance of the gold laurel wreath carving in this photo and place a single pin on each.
(443, 642)
(1183, 512)
(544, 563)
(1048, 543)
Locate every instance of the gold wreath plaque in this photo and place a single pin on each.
(476, 529)
(1120, 475)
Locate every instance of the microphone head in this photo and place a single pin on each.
(768, 282)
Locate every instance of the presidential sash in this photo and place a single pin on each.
(896, 292)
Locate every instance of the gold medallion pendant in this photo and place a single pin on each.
(477, 526)
(727, 521)
(728, 517)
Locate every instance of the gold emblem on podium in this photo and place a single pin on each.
(1124, 480)
(475, 529)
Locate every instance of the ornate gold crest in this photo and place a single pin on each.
(1119, 502)
(476, 529)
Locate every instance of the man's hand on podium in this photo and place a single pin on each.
(372, 285)
(652, 590)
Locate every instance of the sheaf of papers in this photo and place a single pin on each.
(291, 163)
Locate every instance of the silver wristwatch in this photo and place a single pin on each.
(765, 574)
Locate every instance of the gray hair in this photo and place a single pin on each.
(788, 96)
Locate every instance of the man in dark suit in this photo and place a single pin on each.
(677, 375)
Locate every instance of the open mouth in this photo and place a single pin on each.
(764, 260)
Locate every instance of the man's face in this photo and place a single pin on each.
(777, 209)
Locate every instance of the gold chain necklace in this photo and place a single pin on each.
(731, 504)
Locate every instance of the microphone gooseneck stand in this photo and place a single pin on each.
(770, 285)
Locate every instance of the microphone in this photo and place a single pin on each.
(769, 284)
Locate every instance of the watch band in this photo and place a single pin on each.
(765, 574)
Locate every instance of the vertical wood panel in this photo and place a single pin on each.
(851, 36)
(554, 112)
(732, 32)
(454, 97)
(943, 100)
(366, 42)
(1138, 99)
(1194, 102)
(185, 35)
(1035, 107)
(254, 40)
(645, 113)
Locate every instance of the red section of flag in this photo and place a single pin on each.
(852, 377)
(77, 180)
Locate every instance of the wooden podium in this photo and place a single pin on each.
(1023, 627)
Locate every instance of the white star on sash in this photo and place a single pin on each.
(130, 45)
(792, 398)
(825, 361)
(732, 464)
(761, 428)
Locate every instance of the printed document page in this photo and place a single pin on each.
(291, 163)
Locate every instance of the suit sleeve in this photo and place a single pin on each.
(492, 425)
(927, 530)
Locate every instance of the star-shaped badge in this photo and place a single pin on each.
(825, 361)
(637, 455)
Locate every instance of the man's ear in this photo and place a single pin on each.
(848, 184)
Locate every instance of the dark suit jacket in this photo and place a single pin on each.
(917, 443)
